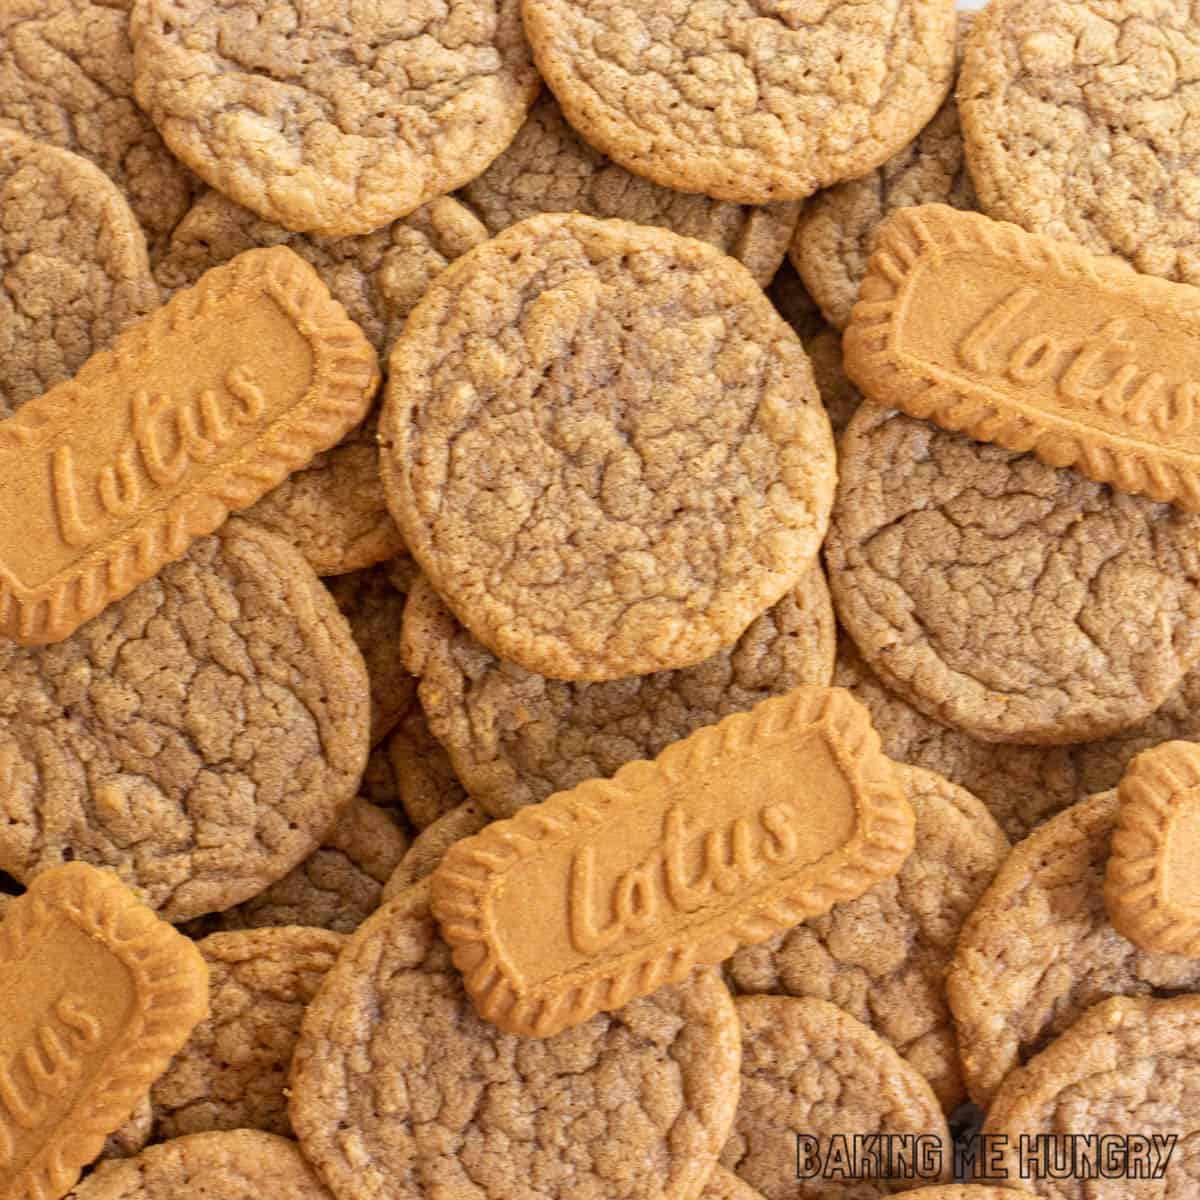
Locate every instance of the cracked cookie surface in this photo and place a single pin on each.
(550, 168)
(604, 447)
(745, 100)
(515, 737)
(1039, 949)
(882, 958)
(1015, 601)
(73, 267)
(199, 737)
(333, 117)
(400, 1090)
(1082, 122)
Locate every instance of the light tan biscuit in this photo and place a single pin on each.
(1017, 602)
(199, 737)
(1127, 1068)
(66, 78)
(426, 785)
(515, 737)
(336, 119)
(808, 1067)
(742, 103)
(550, 168)
(636, 529)
(430, 845)
(73, 267)
(1039, 949)
(883, 957)
(400, 1091)
(1079, 118)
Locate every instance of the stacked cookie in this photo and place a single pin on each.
(430, 582)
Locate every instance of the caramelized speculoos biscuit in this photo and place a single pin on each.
(194, 413)
(96, 995)
(728, 837)
(1035, 345)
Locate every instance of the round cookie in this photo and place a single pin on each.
(550, 168)
(743, 102)
(400, 1090)
(604, 447)
(1020, 603)
(1127, 1068)
(430, 845)
(809, 1067)
(835, 236)
(1081, 123)
(199, 736)
(66, 78)
(882, 958)
(335, 119)
(515, 738)
(237, 1165)
(375, 609)
(425, 780)
(1039, 949)
(336, 887)
(73, 266)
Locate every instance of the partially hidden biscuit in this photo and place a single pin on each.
(1035, 345)
(1017, 602)
(723, 101)
(515, 737)
(794, 304)
(400, 1091)
(234, 1165)
(1128, 1068)
(840, 397)
(199, 737)
(550, 168)
(604, 527)
(193, 413)
(965, 1191)
(96, 995)
(73, 265)
(883, 957)
(1039, 949)
(430, 845)
(426, 785)
(134, 1135)
(809, 1068)
(728, 837)
(1150, 886)
(334, 120)
(725, 1185)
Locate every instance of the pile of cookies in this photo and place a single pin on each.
(599, 599)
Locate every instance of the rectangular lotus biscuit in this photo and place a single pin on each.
(1035, 345)
(193, 413)
(620, 886)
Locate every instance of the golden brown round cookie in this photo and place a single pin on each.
(515, 738)
(744, 101)
(425, 781)
(1039, 949)
(370, 602)
(333, 119)
(1018, 602)
(550, 168)
(66, 78)
(883, 957)
(400, 1090)
(242, 1164)
(430, 845)
(1080, 119)
(1126, 1068)
(604, 447)
(232, 1073)
(73, 266)
(808, 1067)
(199, 736)
(836, 233)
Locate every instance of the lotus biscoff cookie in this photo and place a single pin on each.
(515, 737)
(400, 1090)
(199, 737)
(740, 102)
(338, 118)
(96, 995)
(577, 520)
